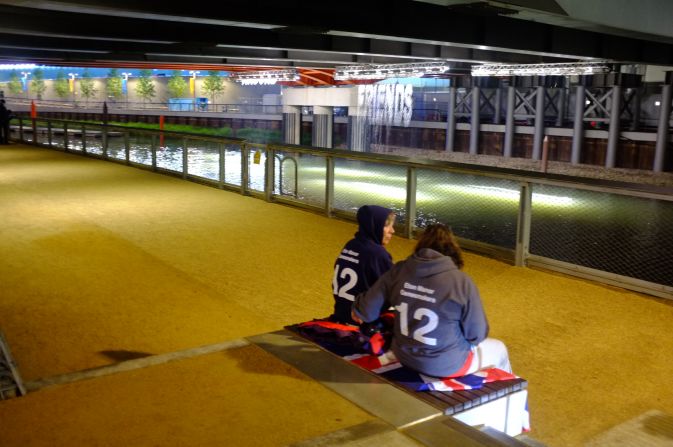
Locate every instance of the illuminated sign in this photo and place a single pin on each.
(387, 104)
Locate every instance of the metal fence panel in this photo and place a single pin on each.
(204, 159)
(358, 183)
(256, 169)
(232, 164)
(477, 208)
(116, 147)
(169, 156)
(141, 148)
(300, 176)
(626, 235)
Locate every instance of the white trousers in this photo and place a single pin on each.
(490, 353)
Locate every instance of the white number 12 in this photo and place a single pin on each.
(419, 333)
(352, 281)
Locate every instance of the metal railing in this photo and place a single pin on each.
(605, 231)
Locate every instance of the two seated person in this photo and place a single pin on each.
(439, 327)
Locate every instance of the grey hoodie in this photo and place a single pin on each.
(438, 312)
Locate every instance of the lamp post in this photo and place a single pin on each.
(71, 85)
(125, 87)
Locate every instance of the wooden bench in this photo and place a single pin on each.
(495, 404)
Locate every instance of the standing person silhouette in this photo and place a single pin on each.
(5, 117)
(362, 260)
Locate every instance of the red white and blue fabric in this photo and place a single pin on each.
(469, 382)
(346, 341)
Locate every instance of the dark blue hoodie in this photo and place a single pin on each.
(360, 263)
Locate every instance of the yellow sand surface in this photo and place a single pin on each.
(100, 262)
(236, 397)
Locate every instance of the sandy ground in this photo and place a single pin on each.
(100, 262)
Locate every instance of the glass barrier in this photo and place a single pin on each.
(358, 183)
(482, 209)
(169, 156)
(300, 176)
(141, 148)
(625, 235)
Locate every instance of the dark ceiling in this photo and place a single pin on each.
(235, 35)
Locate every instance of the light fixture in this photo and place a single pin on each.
(266, 77)
(372, 71)
(572, 68)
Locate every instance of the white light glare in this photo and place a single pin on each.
(508, 194)
(17, 66)
(266, 77)
(572, 68)
(372, 71)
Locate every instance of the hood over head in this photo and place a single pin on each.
(371, 220)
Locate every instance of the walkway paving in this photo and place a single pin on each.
(102, 263)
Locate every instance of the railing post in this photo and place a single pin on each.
(245, 168)
(65, 136)
(268, 174)
(104, 140)
(34, 126)
(280, 175)
(523, 225)
(185, 159)
(153, 151)
(329, 186)
(222, 165)
(83, 138)
(127, 148)
(49, 135)
(21, 130)
(410, 203)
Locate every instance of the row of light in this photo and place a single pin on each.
(372, 71)
(266, 77)
(560, 69)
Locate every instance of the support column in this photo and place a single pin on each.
(509, 122)
(613, 131)
(662, 129)
(561, 106)
(359, 133)
(635, 122)
(474, 126)
(451, 121)
(498, 104)
(322, 126)
(539, 123)
(291, 124)
(578, 129)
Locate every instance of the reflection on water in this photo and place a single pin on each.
(619, 234)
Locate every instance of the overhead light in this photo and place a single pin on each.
(266, 77)
(384, 71)
(572, 68)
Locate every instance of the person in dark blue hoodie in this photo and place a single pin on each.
(362, 260)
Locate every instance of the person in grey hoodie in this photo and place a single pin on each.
(440, 326)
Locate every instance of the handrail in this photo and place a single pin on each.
(524, 180)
